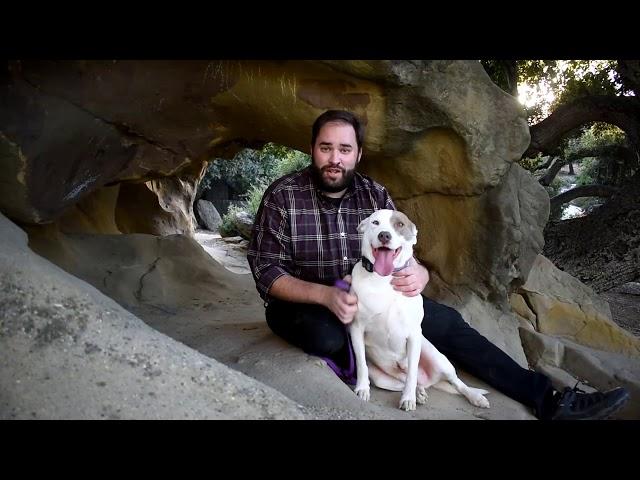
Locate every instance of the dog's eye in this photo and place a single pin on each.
(376, 222)
(400, 224)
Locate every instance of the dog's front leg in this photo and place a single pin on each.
(408, 399)
(357, 339)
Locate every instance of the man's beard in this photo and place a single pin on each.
(328, 185)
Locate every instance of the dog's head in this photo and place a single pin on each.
(388, 239)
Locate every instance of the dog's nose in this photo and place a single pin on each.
(384, 237)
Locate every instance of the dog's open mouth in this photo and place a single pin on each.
(384, 258)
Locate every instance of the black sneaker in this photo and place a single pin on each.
(575, 404)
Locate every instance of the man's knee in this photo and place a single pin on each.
(440, 320)
(309, 327)
(329, 344)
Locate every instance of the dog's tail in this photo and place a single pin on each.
(447, 387)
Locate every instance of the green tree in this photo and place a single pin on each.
(594, 118)
(250, 172)
(587, 91)
(250, 167)
(590, 96)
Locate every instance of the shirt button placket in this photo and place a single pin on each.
(342, 234)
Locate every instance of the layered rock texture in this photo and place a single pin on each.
(100, 163)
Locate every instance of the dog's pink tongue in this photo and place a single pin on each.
(384, 262)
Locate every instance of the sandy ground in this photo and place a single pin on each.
(625, 306)
(230, 252)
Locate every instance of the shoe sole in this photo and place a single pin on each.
(613, 408)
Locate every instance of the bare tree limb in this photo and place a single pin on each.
(545, 164)
(511, 70)
(556, 164)
(582, 191)
(609, 151)
(623, 112)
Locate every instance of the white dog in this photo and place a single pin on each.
(388, 322)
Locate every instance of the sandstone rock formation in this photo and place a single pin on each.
(440, 135)
(92, 150)
(69, 352)
(558, 304)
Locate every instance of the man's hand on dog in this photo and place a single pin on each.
(344, 305)
(411, 280)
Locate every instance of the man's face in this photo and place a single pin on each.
(335, 156)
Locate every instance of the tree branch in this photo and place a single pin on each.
(623, 112)
(609, 151)
(511, 71)
(546, 164)
(583, 191)
(556, 164)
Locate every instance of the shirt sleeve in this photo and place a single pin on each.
(269, 251)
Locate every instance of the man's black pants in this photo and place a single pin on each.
(315, 329)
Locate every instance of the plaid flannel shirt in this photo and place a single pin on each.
(301, 232)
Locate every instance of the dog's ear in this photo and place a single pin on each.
(414, 232)
(363, 225)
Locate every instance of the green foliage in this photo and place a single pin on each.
(596, 136)
(250, 204)
(589, 172)
(556, 186)
(531, 164)
(228, 226)
(539, 82)
(582, 78)
(250, 172)
(292, 162)
(546, 84)
(536, 76)
(593, 147)
(250, 166)
(240, 171)
(253, 198)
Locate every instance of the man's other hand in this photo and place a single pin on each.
(411, 280)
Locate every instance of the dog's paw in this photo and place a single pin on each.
(421, 395)
(363, 393)
(407, 404)
(479, 401)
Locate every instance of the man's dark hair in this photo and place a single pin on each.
(341, 116)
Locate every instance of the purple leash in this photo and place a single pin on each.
(347, 375)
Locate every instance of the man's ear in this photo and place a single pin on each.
(359, 155)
